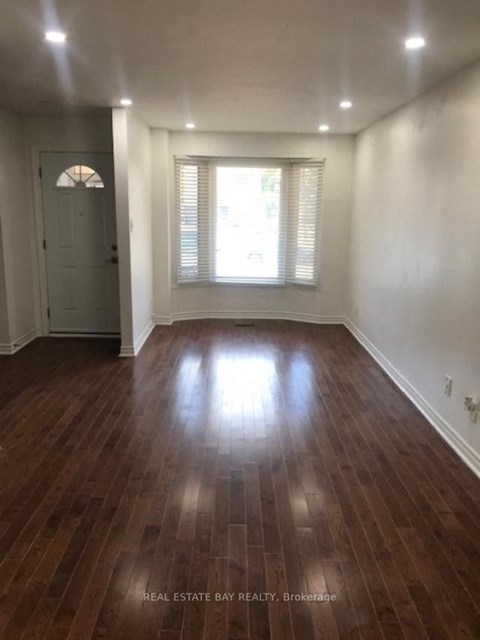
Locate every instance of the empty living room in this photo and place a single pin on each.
(240, 320)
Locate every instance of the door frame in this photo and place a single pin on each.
(38, 251)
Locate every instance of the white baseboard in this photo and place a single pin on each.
(251, 315)
(128, 351)
(162, 320)
(143, 337)
(456, 442)
(110, 336)
(10, 349)
(6, 349)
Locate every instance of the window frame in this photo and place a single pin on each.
(285, 164)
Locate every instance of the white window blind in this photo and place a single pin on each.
(193, 202)
(304, 201)
(248, 222)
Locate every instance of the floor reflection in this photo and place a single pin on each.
(244, 390)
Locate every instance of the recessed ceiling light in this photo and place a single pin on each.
(324, 127)
(126, 102)
(416, 42)
(190, 125)
(346, 104)
(56, 36)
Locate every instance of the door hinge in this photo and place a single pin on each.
(44, 244)
(40, 172)
(48, 312)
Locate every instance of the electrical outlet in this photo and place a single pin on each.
(447, 386)
(470, 404)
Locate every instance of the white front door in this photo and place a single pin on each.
(81, 242)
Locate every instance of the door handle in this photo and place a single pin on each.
(113, 260)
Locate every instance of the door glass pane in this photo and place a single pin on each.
(80, 176)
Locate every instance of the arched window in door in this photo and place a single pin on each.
(80, 176)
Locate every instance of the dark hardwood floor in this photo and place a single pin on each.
(225, 460)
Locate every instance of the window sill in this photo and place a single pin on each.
(251, 285)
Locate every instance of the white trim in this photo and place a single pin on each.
(469, 456)
(127, 351)
(38, 258)
(10, 349)
(257, 315)
(56, 334)
(162, 320)
(143, 337)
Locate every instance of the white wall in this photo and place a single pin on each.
(69, 133)
(17, 270)
(324, 303)
(140, 207)
(415, 251)
(120, 161)
(161, 227)
(133, 190)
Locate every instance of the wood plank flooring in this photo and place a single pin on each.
(233, 463)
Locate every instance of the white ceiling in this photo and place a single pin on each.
(233, 65)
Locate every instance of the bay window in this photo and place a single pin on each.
(248, 221)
